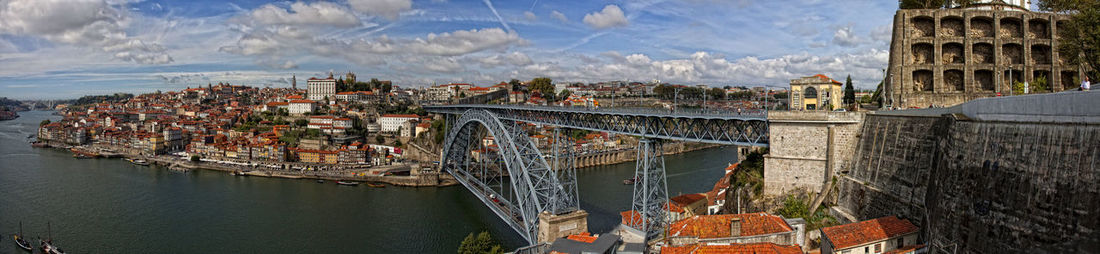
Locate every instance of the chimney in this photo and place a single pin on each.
(735, 227)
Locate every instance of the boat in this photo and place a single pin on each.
(82, 156)
(47, 245)
(140, 162)
(320, 181)
(347, 183)
(376, 185)
(19, 241)
(628, 181)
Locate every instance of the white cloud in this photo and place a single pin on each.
(559, 16)
(846, 38)
(530, 16)
(510, 59)
(610, 16)
(91, 24)
(464, 41)
(318, 13)
(390, 9)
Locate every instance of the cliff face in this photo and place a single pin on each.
(980, 186)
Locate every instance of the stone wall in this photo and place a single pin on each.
(798, 152)
(945, 57)
(979, 186)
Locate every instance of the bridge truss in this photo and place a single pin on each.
(511, 177)
(540, 186)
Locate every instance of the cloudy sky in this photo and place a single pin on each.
(67, 48)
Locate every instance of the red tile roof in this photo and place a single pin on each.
(867, 231)
(687, 199)
(401, 115)
(718, 226)
(301, 101)
(826, 78)
(751, 248)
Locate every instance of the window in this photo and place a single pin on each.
(901, 242)
(867, 249)
(878, 248)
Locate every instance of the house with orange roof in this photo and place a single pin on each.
(817, 92)
(750, 248)
(691, 204)
(879, 235)
(737, 228)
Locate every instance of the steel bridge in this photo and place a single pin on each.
(518, 182)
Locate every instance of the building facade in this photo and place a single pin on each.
(817, 92)
(392, 123)
(321, 89)
(943, 57)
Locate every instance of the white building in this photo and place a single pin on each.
(299, 107)
(392, 123)
(320, 89)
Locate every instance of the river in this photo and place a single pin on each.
(112, 206)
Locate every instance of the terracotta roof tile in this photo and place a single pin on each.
(751, 248)
(867, 231)
(718, 226)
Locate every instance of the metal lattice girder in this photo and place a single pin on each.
(650, 189)
(719, 127)
(534, 184)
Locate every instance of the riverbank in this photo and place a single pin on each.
(362, 174)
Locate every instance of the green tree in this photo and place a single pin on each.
(799, 207)
(544, 86)
(44, 122)
(1081, 35)
(301, 122)
(195, 158)
(716, 93)
(515, 83)
(481, 244)
(933, 4)
(849, 92)
(565, 93)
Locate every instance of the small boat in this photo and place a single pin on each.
(81, 156)
(320, 181)
(376, 185)
(47, 245)
(140, 162)
(22, 243)
(347, 183)
(628, 181)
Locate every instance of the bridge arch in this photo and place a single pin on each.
(534, 187)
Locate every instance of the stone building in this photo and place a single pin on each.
(321, 89)
(944, 57)
(817, 92)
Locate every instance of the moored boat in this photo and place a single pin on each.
(140, 162)
(628, 181)
(19, 241)
(347, 183)
(376, 185)
(47, 245)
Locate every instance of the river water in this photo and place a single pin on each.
(112, 206)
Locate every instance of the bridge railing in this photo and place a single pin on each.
(621, 110)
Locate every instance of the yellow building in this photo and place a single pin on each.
(817, 92)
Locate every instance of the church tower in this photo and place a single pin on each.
(294, 82)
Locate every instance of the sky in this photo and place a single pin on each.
(57, 49)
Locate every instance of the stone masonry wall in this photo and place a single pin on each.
(984, 187)
(796, 158)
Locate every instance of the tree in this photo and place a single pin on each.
(483, 243)
(799, 207)
(933, 4)
(380, 139)
(849, 92)
(544, 86)
(515, 84)
(195, 158)
(1081, 35)
(301, 122)
(396, 143)
(716, 93)
(44, 122)
(565, 93)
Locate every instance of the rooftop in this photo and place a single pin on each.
(751, 248)
(718, 226)
(867, 231)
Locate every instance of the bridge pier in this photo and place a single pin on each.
(650, 189)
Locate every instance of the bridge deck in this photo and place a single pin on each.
(706, 126)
